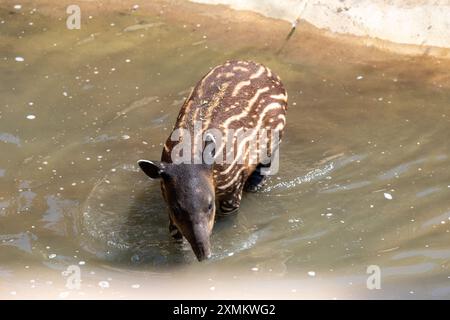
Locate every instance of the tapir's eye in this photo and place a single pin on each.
(210, 206)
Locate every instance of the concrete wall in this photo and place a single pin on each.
(414, 22)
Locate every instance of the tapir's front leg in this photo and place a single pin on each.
(231, 201)
(230, 204)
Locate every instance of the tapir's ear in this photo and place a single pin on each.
(153, 169)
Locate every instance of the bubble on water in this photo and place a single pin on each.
(103, 284)
(135, 286)
(311, 273)
(18, 6)
(31, 117)
(82, 263)
(255, 269)
(359, 77)
(52, 256)
(19, 59)
(388, 196)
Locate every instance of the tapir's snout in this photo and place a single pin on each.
(202, 251)
(200, 243)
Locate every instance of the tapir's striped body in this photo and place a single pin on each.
(237, 94)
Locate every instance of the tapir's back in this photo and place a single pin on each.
(237, 95)
(234, 95)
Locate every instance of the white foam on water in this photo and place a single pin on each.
(310, 176)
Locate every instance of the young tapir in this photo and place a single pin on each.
(232, 97)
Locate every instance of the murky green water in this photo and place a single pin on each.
(364, 176)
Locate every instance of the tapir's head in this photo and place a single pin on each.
(189, 191)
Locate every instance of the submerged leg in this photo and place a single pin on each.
(230, 204)
(256, 180)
